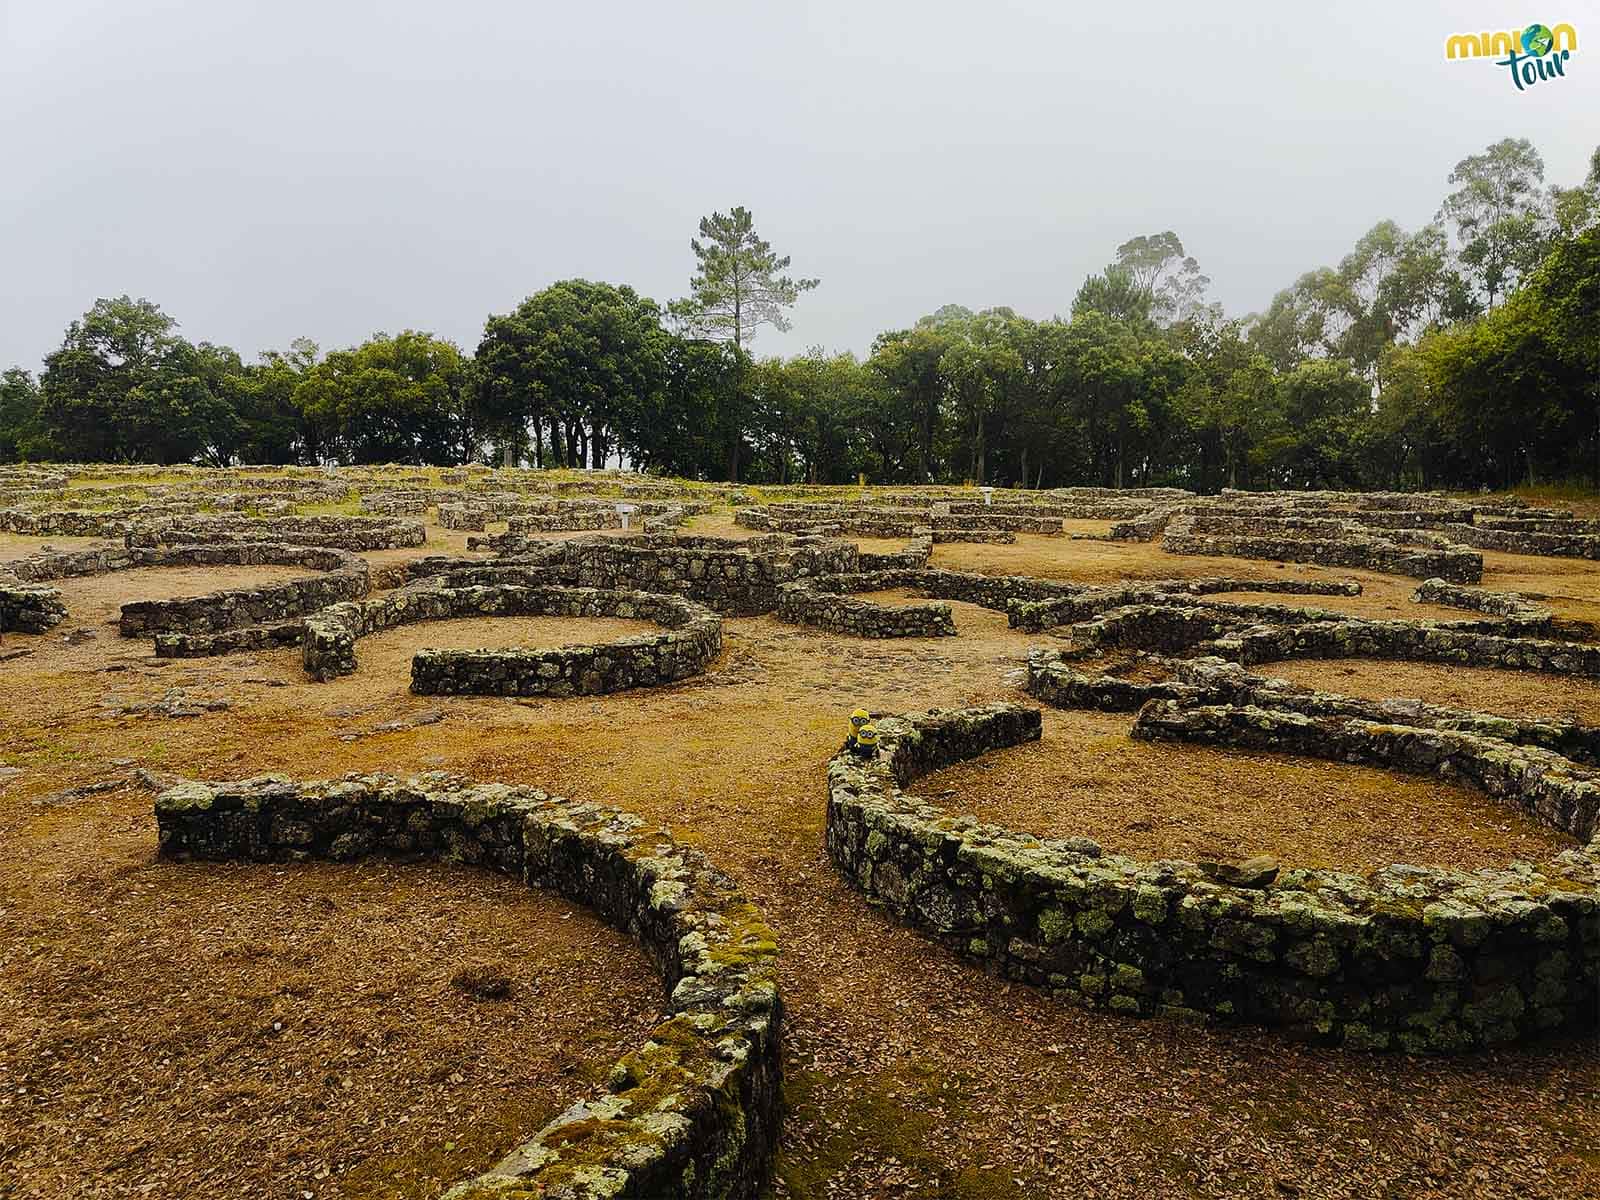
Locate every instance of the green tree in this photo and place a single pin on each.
(1116, 293)
(1565, 291)
(1170, 280)
(981, 369)
(738, 285)
(19, 417)
(274, 428)
(395, 399)
(125, 386)
(1498, 215)
(1324, 406)
(908, 363)
(585, 358)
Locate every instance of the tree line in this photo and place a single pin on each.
(1463, 353)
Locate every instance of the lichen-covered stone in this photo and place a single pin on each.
(1367, 963)
(693, 1113)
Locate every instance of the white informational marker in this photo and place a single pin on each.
(988, 494)
(626, 511)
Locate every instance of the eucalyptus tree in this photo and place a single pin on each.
(1498, 213)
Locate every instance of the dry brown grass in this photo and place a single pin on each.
(1086, 777)
(910, 1073)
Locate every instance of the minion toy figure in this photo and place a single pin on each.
(862, 740)
(866, 743)
(857, 719)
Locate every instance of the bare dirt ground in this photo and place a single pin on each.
(98, 599)
(909, 1073)
(1087, 778)
(174, 1030)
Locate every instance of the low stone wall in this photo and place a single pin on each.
(340, 533)
(473, 517)
(1131, 495)
(577, 516)
(1524, 541)
(1563, 524)
(915, 555)
(1407, 958)
(814, 604)
(945, 535)
(579, 521)
(64, 522)
(1164, 627)
(1216, 681)
(692, 639)
(1213, 681)
(1051, 681)
(403, 502)
(1145, 528)
(271, 636)
(29, 608)
(1545, 785)
(1412, 642)
(695, 1111)
(1352, 550)
(734, 578)
(343, 577)
(1030, 603)
(1495, 604)
(1069, 603)
(861, 521)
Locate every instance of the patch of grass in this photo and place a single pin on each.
(425, 1171)
(349, 507)
(878, 1120)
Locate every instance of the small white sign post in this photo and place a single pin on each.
(988, 495)
(626, 511)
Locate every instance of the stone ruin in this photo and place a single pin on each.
(1407, 959)
(695, 1111)
(1413, 959)
(692, 638)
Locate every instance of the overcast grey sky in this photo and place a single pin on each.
(267, 170)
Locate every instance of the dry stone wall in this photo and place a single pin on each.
(1409, 641)
(465, 515)
(341, 533)
(1411, 959)
(29, 607)
(916, 554)
(342, 577)
(1351, 549)
(817, 605)
(1069, 603)
(1216, 681)
(1548, 786)
(1527, 541)
(695, 1112)
(1517, 608)
(691, 640)
(64, 522)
